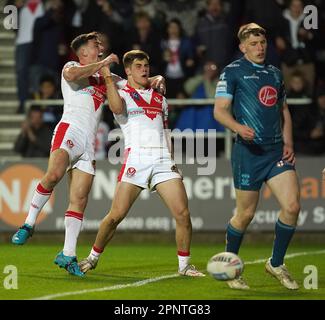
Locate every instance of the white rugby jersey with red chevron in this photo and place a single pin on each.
(83, 100)
(143, 120)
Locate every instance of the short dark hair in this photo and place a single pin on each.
(132, 55)
(47, 78)
(297, 74)
(179, 24)
(142, 15)
(82, 39)
(34, 108)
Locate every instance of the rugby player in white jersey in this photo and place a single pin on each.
(84, 88)
(148, 161)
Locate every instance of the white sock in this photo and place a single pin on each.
(73, 223)
(183, 260)
(40, 197)
(95, 252)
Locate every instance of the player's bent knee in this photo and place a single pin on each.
(119, 211)
(242, 220)
(182, 216)
(245, 217)
(53, 177)
(80, 202)
(293, 208)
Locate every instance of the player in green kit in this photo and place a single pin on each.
(251, 101)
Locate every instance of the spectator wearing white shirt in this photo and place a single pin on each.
(29, 11)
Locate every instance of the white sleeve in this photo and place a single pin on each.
(122, 93)
(122, 117)
(71, 64)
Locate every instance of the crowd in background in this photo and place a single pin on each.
(188, 41)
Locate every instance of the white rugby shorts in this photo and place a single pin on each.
(146, 167)
(78, 145)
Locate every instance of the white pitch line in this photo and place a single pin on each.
(151, 280)
(116, 287)
(288, 256)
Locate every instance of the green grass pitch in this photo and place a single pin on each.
(124, 272)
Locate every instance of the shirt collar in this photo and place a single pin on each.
(254, 64)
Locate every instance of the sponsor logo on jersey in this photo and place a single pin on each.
(146, 111)
(70, 144)
(268, 96)
(158, 100)
(151, 110)
(253, 76)
(135, 112)
(135, 96)
(131, 172)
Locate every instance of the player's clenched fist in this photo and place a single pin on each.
(110, 59)
(246, 133)
(159, 84)
(288, 154)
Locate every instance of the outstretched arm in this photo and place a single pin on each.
(80, 72)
